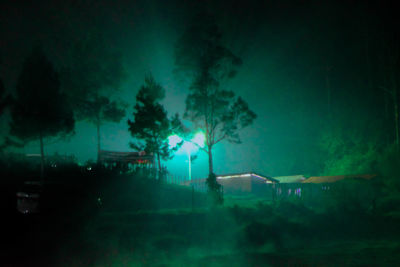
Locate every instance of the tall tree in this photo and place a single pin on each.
(92, 68)
(3, 98)
(6, 101)
(150, 125)
(93, 73)
(218, 112)
(390, 64)
(99, 109)
(40, 109)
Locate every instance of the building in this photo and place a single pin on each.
(126, 159)
(336, 178)
(238, 183)
(290, 179)
(242, 183)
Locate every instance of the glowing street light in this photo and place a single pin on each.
(188, 146)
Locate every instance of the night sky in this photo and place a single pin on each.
(292, 51)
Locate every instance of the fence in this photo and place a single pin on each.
(198, 185)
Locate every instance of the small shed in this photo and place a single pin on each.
(242, 183)
(290, 179)
(238, 183)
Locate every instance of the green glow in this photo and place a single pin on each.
(199, 139)
(189, 146)
(234, 176)
(173, 140)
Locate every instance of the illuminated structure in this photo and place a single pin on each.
(189, 146)
(238, 183)
(134, 158)
(290, 179)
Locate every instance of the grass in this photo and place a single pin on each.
(285, 234)
(144, 223)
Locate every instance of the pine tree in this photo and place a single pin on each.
(40, 109)
(150, 125)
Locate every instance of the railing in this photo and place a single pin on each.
(198, 185)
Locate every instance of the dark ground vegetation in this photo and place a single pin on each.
(101, 217)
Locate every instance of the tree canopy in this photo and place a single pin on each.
(217, 111)
(98, 109)
(93, 73)
(4, 100)
(92, 69)
(150, 125)
(2, 91)
(40, 109)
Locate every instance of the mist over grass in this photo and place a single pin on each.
(102, 217)
(235, 236)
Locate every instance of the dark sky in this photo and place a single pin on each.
(287, 48)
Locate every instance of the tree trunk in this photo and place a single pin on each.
(328, 91)
(42, 157)
(210, 161)
(396, 110)
(159, 162)
(98, 140)
(386, 99)
(396, 117)
(368, 62)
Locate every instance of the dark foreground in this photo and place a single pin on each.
(285, 235)
(142, 222)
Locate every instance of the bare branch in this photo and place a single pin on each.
(220, 139)
(202, 148)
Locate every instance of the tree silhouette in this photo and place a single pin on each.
(5, 100)
(390, 59)
(40, 109)
(151, 125)
(92, 74)
(199, 54)
(98, 109)
(2, 93)
(92, 68)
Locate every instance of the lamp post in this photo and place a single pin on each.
(192, 145)
(190, 165)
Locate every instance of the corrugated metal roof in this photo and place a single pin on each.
(247, 174)
(332, 179)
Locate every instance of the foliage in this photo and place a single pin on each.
(93, 72)
(5, 101)
(93, 69)
(200, 49)
(40, 108)
(2, 97)
(200, 54)
(388, 166)
(100, 108)
(347, 149)
(151, 125)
